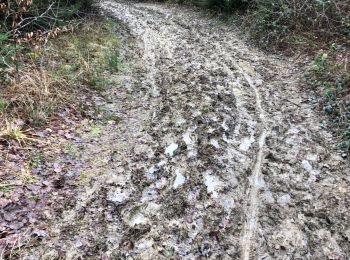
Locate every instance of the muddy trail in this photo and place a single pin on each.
(216, 154)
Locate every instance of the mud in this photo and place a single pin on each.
(215, 154)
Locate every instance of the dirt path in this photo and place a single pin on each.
(216, 155)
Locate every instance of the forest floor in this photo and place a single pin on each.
(216, 153)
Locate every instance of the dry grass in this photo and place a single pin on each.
(52, 76)
(16, 132)
(34, 96)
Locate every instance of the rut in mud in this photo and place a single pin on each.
(215, 154)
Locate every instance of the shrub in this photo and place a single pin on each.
(224, 5)
(280, 21)
(27, 15)
(284, 21)
(328, 73)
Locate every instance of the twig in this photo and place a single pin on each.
(19, 27)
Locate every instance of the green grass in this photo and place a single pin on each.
(36, 159)
(6, 186)
(331, 79)
(88, 58)
(3, 105)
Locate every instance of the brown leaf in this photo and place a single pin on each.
(4, 203)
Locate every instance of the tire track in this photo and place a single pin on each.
(207, 154)
(253, 205)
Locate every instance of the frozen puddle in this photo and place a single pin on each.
(138, 219)
(187, 138)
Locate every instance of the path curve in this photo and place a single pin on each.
(216, 155)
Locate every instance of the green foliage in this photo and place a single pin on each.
(3, 105)
(97, 82)
(7, 50)
(113, 61)
(330, 78)
(91, 56)
(85, 58)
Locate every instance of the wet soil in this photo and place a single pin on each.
(215, 154)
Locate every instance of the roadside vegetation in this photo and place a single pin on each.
(50, 51)
(316, 31)
(30, 57)
(55, 56)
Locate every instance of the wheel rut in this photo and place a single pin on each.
(208, 159)
(252, 207)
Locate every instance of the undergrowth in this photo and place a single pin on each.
(51, 76)
(328, 73)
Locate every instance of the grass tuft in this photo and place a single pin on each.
(51, 76)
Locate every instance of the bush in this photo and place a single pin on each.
(224, 5)
(285, 20)
(33, 21)
(28, 15)
(328, 75)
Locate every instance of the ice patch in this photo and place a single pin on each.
(258, 182)
(150, 173)
(306, 165)
(224, 126)
(171, 149)
(214, 143)
(187, 138)
(246, 143)
(227, 202)
(161, 163)
(118, 196)
(179, 180)
(284, 199)
(212, 182)
(190, 143)
(138, 219)
(161, 183)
